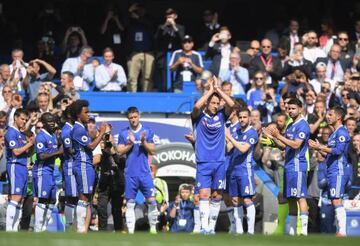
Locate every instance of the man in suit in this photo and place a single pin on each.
(292, 36)
(267, 63)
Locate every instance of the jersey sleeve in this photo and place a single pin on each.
(303, 132)
(122, 139)
(252, 138)
(66, 139)
(81, 136)
(40, 144)
(12, 139)
(150, 136)
(341, 141)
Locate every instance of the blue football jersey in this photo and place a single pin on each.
(15, 139)
(339, 143)
(80, 139)
(233, 128)
(66, 140)
(243, 163)
(295, 159)
(45, 143)
(209, 132)
(137, 163)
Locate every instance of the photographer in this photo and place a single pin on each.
(111, 183)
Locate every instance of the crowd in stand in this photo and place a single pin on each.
(323, 71)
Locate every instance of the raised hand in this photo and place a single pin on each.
(314, 144)
(142, 136)
(103, 127)
(131, 137)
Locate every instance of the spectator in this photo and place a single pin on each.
(255, 94)
(34, 79)
(326, 39)
(354, 159)
(310, 98)
(112, 33)
(355, 34)
(73, 42)
(219, 50)
(335, 66)
(320, 72)
(283, 54)
(209, 28)
(268, 64)
(297, 61)
(43, 102)
(292, 36)
(168, 37)
(317, 120)
(255, 119)
(6, 98)
(343, 41)
(186, 62)
(110, 76)
(267, 105)
(140, 45)
(311, 50)
(250, 53)
(3, 120)
(296, 82)
(236, 75)
(4, 75)
(76, 66)
(18, 66)
(67, 87)
(181, 211)
(351, 125)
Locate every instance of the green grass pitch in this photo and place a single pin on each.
(166, 239)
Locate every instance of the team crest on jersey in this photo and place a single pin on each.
(40, 145)
(252, 141)
(12, 143)
(216, 117)
(84, 138)
(44, 193)
(234, 130)
(342, 139)
(302, 134)
(17, 189)
(67, 141)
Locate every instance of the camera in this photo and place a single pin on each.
(107, 142)
(268, 97)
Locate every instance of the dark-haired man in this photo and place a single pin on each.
(242, 183)
(47, 150)
(209, 127)
(18, 147)
(137, 142)
(295, 144)
(83, 160)
(337, 163)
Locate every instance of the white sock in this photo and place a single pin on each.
(250, 215)
(40, 217)
(152, 216)
(69, 214)
(304, 218)
(292, 225)
(214, 213)
(81, 210)
(48, 217)
(13, 211)
(197, 221)
(230, 213)
(238, 216)
(130, 217)
(19, 212)
(204, 208)
(340, 215)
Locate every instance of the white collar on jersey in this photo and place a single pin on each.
(137, 130)
(233, 124)
(46, 132)
(79, 123)
(337, 129)
(301, 118)
(67, 123)
(15, 128)
(247, 129)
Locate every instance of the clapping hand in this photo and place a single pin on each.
(314, 144)
(142, 137)
(131, 137)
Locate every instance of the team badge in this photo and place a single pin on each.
(67, 141)
(216, 117)
(252, 141)
(302, 134)
(40, 145)
(84, 138)
(44, 193)
(12, 143)
(17, 189)
(342, 139)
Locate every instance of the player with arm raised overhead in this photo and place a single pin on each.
(209, 130)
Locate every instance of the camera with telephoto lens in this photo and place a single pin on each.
(107, 142)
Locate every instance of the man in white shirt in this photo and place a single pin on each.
(17, 56)
(76, 66)
(311, 51)
(320, 70)
(110, 76)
